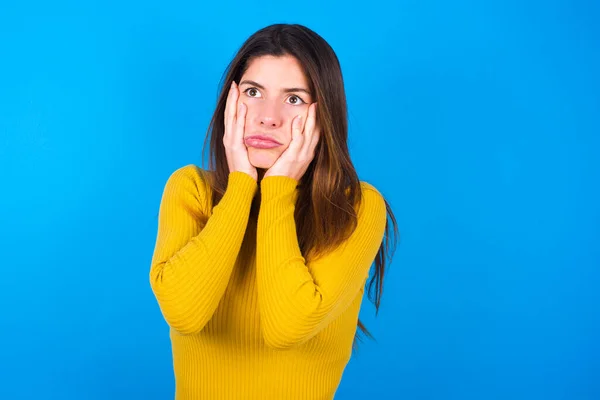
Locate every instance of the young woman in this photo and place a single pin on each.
(261, 261)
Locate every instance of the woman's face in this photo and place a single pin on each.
(275, 91)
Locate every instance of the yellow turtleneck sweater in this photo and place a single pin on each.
(249, 316)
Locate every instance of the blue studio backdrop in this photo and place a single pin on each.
(479, 122)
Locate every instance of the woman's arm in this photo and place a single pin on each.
(297, 300)
(194, 257)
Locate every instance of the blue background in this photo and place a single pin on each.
(479, 121)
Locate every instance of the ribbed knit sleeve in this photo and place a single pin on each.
(195, 253)
(296, 299)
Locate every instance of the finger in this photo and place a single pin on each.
(240, 123)
(310, 126)
(316, 130)
(297, 137)
(230, 105)
(304, 121)
(315, 139)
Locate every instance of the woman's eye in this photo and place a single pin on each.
(252, 92)
(295, 100)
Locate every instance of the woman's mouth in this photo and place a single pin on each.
(261, 142)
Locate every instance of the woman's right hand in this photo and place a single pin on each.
(233, 140)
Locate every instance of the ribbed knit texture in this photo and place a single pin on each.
(249, 316)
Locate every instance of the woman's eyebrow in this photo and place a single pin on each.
(286, 90)
(296, 89)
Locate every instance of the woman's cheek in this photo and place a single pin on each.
(251, 112)
(293, 113)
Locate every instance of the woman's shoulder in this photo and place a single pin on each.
(192, 179)
(192, 173)
(370, 192)
(372, 197)
(367, 186)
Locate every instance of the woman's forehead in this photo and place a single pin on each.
(276, 72)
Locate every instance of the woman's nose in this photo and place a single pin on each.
(270, 117)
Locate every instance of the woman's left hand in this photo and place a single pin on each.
(294, 161)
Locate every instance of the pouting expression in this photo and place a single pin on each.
(275, 90)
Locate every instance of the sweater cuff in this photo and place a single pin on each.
(280, 189)
(241, 187)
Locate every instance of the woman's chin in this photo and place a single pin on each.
(261, 158)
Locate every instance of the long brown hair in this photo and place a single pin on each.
(329, 192)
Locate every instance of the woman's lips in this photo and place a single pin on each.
(261, 142)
